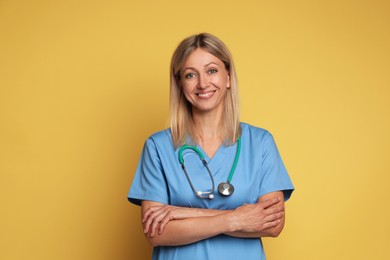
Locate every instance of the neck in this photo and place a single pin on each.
(208, 127)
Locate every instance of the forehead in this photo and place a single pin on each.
(200, 57)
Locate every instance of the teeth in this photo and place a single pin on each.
(205, 94)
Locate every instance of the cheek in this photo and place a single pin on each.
(222, 80)
(223, 83)
(187, 87)
(187, 90)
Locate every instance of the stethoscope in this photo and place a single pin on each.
(224, 188)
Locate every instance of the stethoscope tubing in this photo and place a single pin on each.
(235, 160)
(209, 194)
(201, 194)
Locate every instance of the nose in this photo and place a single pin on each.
(203, 81)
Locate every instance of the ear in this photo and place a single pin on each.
(228, 83)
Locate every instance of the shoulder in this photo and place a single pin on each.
(161, 138)
(250, 131)
(256, 138)
(162, 135)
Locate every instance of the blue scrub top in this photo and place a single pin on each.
(260, 170)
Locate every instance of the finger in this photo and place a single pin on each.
(271, 224)
(155, 224)
(163, 223)
(272, 214)
(146, 228)
(274, 217)
(153, 228)
(275, 209)
(150, 216)
(155, 220)
(150, 211)
(270, 202)
(146, 214)
(148, 219)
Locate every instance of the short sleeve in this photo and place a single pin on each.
(275, 176)
(149, 182)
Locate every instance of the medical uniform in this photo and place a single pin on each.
(260, 170)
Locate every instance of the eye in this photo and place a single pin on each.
(212, 71)
(190, 75)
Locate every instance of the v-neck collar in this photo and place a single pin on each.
(219, 156)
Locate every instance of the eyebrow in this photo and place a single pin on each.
(211, 63)
(208, 64)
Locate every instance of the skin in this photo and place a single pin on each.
(172, 226)
(205, 82)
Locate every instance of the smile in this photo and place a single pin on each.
(206, 95)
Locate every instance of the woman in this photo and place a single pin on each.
(184, 214)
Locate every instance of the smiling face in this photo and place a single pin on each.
(204, 81)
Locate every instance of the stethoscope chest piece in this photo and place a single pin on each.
(225, 189)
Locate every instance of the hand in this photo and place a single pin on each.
(259, 216)
(156, 217)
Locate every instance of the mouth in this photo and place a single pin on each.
(206, 94)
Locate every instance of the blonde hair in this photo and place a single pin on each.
(181, 123)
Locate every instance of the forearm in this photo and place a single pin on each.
(171, 225)
(269, 232)
(190, 230)
(200, 212)
(272, 231)
(207, 224)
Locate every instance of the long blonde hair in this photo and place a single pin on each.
(181, 123)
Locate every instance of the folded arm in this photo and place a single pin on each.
(277, 220)
(170, 225)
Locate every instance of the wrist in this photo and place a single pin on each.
(232, 221)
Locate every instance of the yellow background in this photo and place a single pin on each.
(84, 83)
